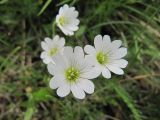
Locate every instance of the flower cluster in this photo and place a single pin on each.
(73, 68)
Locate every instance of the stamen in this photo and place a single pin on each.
(62, 20)
(102, 58)
(53, 51)
(72, 74)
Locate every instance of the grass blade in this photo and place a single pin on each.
(44, 7)
(122, 93)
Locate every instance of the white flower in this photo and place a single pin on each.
(51, 48)
(67, 20)
(72, 73)
(106, 56)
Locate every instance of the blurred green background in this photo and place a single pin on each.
(24, 90)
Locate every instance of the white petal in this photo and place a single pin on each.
(70, 33)
(72, 25)
(63, 10)
(55, 69)
(60, 61)
(48, 40)
(89, 49)
(65, 7)
(106, 39)
(63, 90)
(75, 14)
(65, 30)
(73, 28)
(120, 63)
(106, 73)
(72, 8)
(60, 11)
(49, 43)
(51, 68)
(61, 42)
(121, 52)
(90, 73)
(106, 43)
(77, 91)
(74, 22)
(87, 85)
(79, 53)
(98, 42)
(68, 51)
(56, 82)
(57, 19)
(70, 13)
(91, 60)
(99, 66)
(44, 46)
(115, 70)
(70, 28)
(111, 48)
(47, 60)
(43, 55)
(116, 44)
(56, 38)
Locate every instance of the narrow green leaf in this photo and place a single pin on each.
(29, 113)
(126, 98)
(81, 31)
(43, 94)
(113, 23)
(63, 2)
(9, 57)
(3, 1)
(4, 42)
(44, 7)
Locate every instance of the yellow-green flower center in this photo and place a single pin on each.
(62, 20)
(72, 74)
(102, 58)
(53, 51)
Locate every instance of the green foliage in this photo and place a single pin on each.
(42, 94)
(24, 90)
(45, 6)
(28, 114)
(126, 98)
(81, 31)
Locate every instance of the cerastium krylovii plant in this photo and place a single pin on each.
(71, 68)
